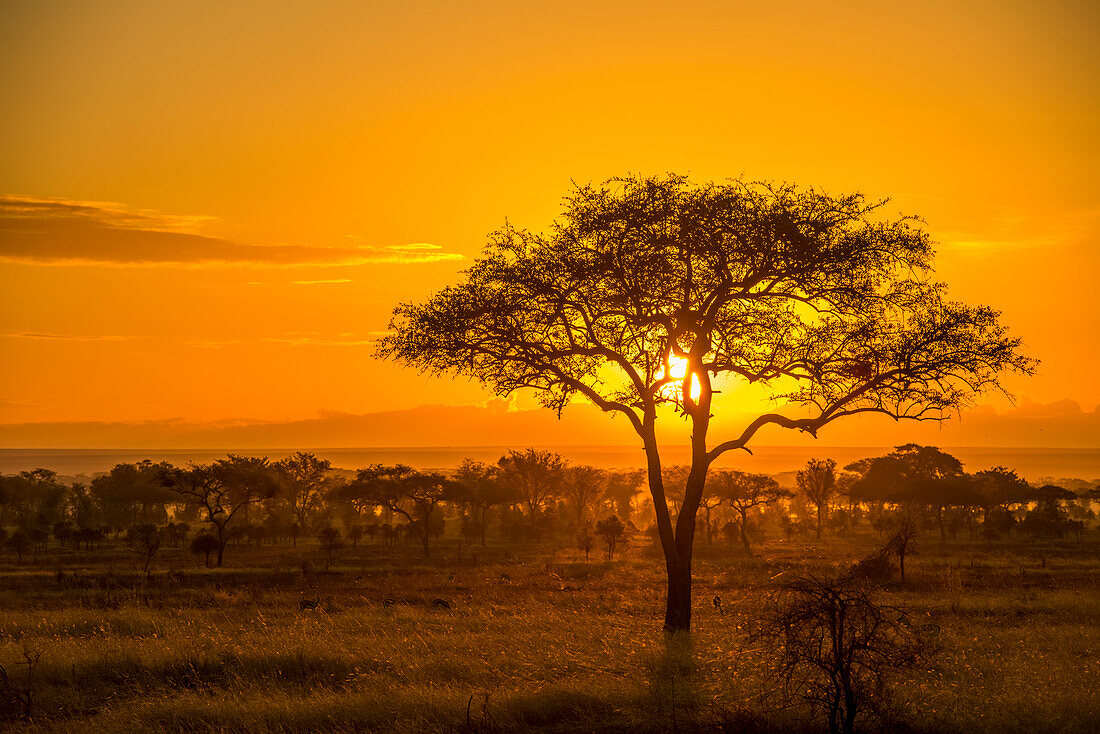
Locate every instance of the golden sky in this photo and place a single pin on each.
(211, 208)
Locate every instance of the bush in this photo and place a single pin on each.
(837, 648)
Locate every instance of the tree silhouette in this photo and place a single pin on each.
(903, 540)
(585, 541)
(836, 647)
(743, 492)
(204, 544)
(329, 538)
(403, 490)
(818, 482)
(582, 486)
(479, 488)
(914, 474)
(612, 530)
(132, 492)
(816, 298)
(20, 543)
(621, 489)
(535, 475)
(223, 491)
(999, 488)
(303, 478)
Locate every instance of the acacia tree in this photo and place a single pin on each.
(535, 475)
(403, 490)
(478, 486)
(132, 492)
(222, 491)
(743, 492)
(621, 487)
(303, 478)
(837, 648)
(818, 482)
(998, 489)
(612, 530)
(648, 291)
(582, 486)
(914, 474)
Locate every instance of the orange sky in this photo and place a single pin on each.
(210, 208)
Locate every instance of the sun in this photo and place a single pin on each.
(677, 370)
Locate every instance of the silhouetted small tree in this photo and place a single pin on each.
(355, 534)
(146, 538)
(63, 531)
(582, 486)
(329, 538)
(818, 483)
(479, 487)
(19, 543)
(837, 649)
(612, 530)
(223, 491)
(585, 541)
(204, 545)
(620, 489)
(903, 540)
(535, 475)
(743, 492)
(302, 477)
(405, 491)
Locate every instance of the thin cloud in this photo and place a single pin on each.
(296, 339)
(52, 231)
(334, 281)
(210, 343)
(39, 336)
(5, 403)
(982, 246)
(313, 341)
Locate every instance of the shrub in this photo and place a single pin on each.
(836, 647)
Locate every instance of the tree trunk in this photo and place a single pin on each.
(678, 601)
(678, 604)
(819, 513)
(678, 544)
(745, 536)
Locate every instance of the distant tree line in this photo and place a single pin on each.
(525, 496)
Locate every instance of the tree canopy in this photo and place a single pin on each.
(822, 300)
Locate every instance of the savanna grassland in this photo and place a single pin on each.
(534, 638)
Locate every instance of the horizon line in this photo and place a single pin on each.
(632, 447)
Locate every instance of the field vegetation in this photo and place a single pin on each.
(530, 595)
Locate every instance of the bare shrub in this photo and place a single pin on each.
(17, 697)
(836, 648)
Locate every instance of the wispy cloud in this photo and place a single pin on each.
(210, 343)
(334, 281)
(313, 341)
(991, 246)
(5, 403)
(296, 339)
(53, 231)
(39, 336)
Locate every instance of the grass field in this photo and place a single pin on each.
(534, 638)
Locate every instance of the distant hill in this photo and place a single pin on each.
(1061, 424)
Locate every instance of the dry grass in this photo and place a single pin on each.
(534, 639)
